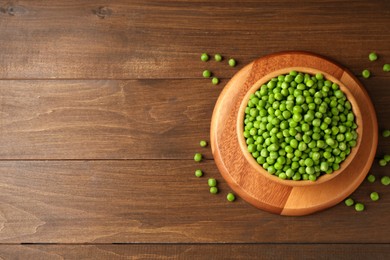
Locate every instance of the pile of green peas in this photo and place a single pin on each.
(299, 126)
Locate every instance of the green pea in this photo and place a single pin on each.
(198, 173)
(198, 157)
(349, 202)
(372, 56)
(232, 62)
(206, 74)
(218, 57)
(386, 133)
(215, 81)
(382, 162)
(385, 180)
(230, 197)
(283, 176)
(366, 74)
(203, 143)
(324, 166)
(371, 178)
(386, 158)
(212, 182)
(359, 207)
(386, 67)
(374, 196)
(204, 57)
(213, 190)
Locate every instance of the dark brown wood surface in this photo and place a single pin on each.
(198, 251)
(102, 106)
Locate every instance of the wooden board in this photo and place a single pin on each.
(121, 39)
(161, 201)
(242, 173)
(197, 251)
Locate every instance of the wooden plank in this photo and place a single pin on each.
(197, 251)
(163, 39)
(161, 201)
(104, 119)
(128, 119)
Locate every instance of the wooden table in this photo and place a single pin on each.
(102, 109)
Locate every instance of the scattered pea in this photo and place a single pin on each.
(386, 133)
(374, 196)
(366, 74)
(203, 143)
(232, 62)
(371, 178)
(215, 81)
(372, 56)
(198, 173)
(213, 190)
(382, 162)
(198, 157)
(386, 67)
(359, 207)
(387, 158)
(349, 202)
(230, 197)
(385, 180)
(204, 57)
(206, 74)
(212, 182)
(218, 57)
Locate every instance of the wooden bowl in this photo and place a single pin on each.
(260, 169)
(248, 179)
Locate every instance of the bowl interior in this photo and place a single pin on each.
(240, 127)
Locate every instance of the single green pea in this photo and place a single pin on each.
(349, 202)
(382, 162)
(198, 157)
(215, 81)
(386, 133)
(204, 57)
(372, 56)
(312, 177)
(386, 158)
(232, 62)
(198, 173)
(218, 57)
(359, 207)
(324, 166)
(385, 180)
(386, 67)
(206, 74)
(212, 182)
(371, 178)
(282, 176)
(366, 74)
(213, 190)
(230, 197)
(374, 196)
(203, 143)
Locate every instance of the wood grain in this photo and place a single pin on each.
(88, 153)
(146, 119)
(134, 119)
(198, 251)
(159, 39)
(160, 201)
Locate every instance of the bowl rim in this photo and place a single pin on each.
(240, 127)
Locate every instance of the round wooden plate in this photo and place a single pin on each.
(264, 192)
